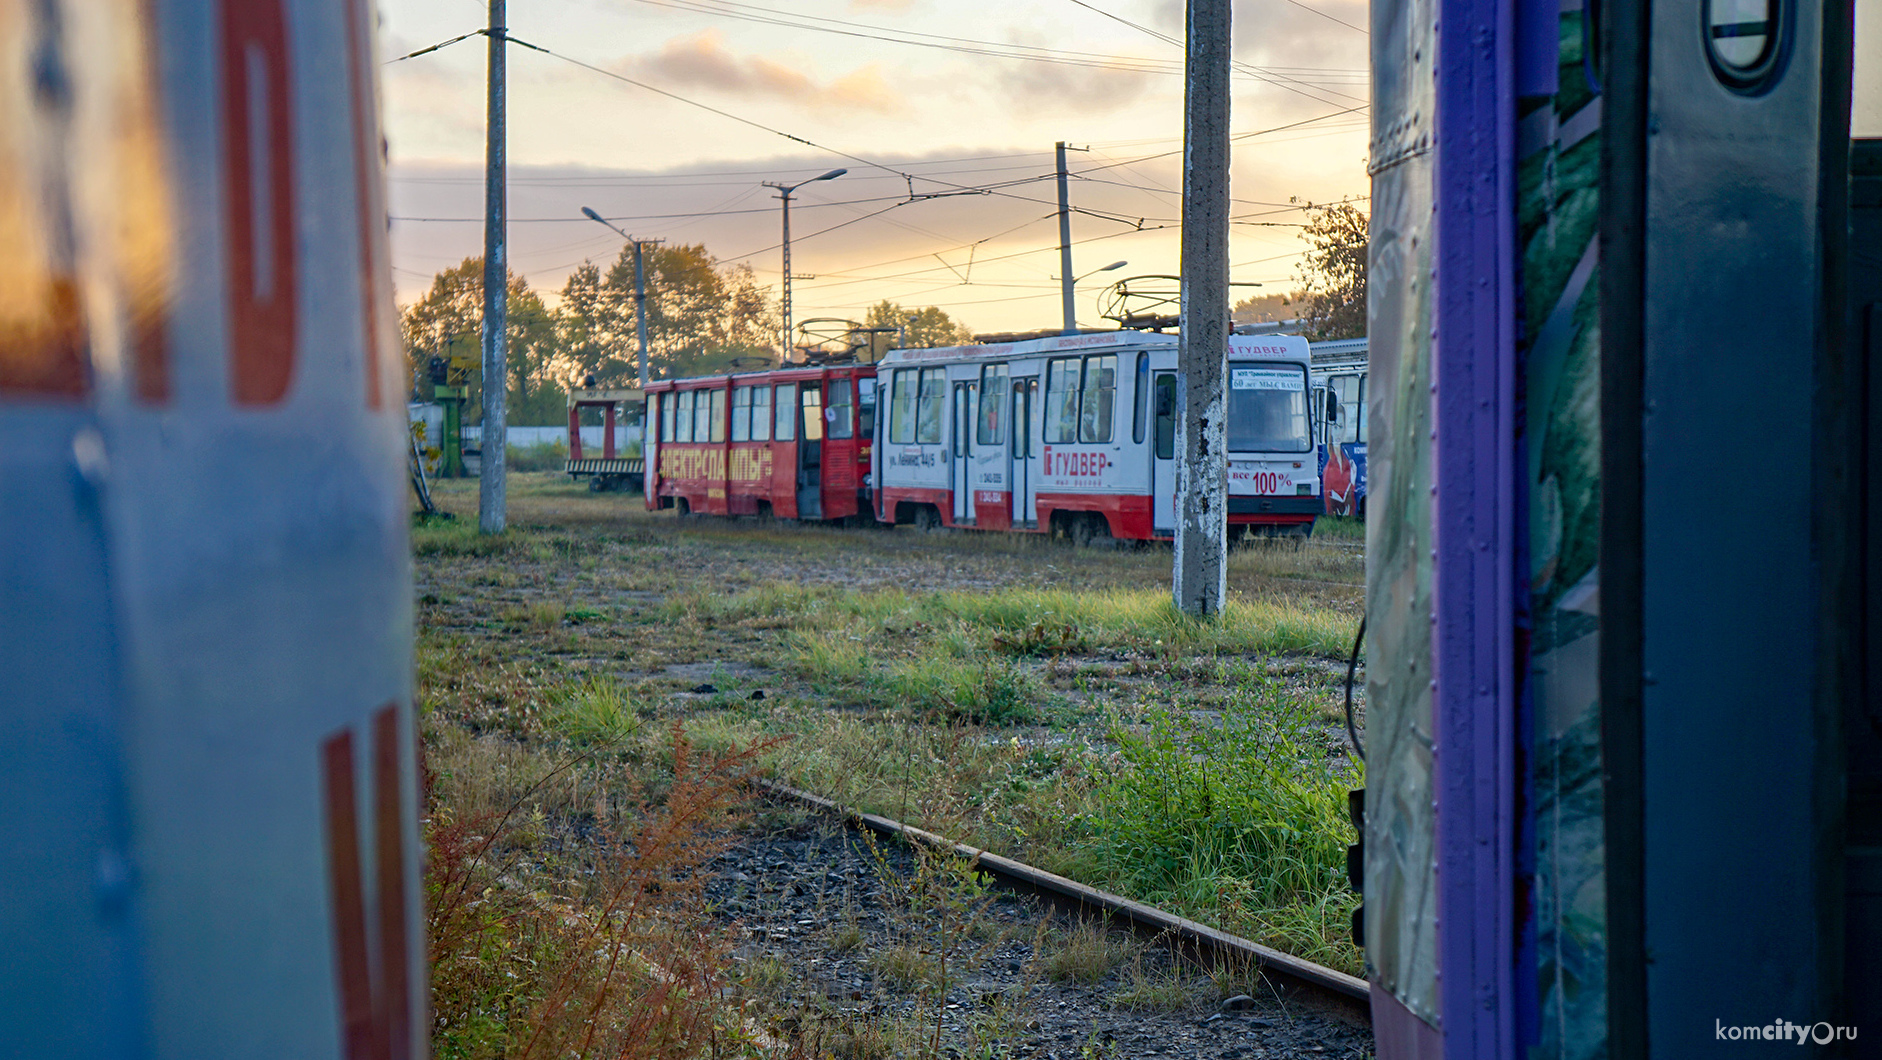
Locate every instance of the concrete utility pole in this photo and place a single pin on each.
(640, 309)
(784, 193)
(492, 508)
(1199, 580)
(1065, 246)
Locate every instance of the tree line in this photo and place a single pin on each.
(702, 318)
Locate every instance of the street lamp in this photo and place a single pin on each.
(784, 194)
(1107, 268)
(1067, 280)
(1071, 325)
(640, 288)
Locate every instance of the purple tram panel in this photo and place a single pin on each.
(205, 585)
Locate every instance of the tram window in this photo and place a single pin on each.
(866, 407)
(1140, 398)
(717, 397)
(992, 418)
(666, 415)
(741, 413)
(786, 412)
(1098, 395)
(1166, 417)
(934, 385)
(812, 396)
(1359, 410)
(1061, 409)
(842, 414)
(683, 425)
(1343, 409)
(1268, 408)
(902, 408)
(761, 414)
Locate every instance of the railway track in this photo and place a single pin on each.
(1338, 994)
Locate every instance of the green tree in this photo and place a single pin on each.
(925, 327)
(591, 333)
(448, 322)
(1333, 276)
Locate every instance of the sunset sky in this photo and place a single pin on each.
(933, 96)
(973, 114)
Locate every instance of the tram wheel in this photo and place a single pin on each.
(926, 519)
(1090, 530)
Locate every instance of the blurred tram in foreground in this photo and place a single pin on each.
(206, 673)
(1624, 539)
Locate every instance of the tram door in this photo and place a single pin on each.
(1025, 504)
(960, 454)
(1163, 452)
(810, 452)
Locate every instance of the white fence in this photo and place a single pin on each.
(523, 437)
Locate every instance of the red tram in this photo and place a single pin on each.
(793, 443)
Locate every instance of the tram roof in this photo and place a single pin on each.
(1031, 347)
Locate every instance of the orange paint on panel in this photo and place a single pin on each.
(394, 1005)
(353, 966)
(258, 186)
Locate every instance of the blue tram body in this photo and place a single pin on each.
(1624, 585)
(1339, 408)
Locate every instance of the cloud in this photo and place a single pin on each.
(1042, 86)
(703, 61)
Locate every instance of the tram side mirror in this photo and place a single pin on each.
(1333, 407)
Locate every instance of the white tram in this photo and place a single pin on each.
(1076, 435)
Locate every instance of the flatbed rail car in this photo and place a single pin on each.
(792, 443)
(1339, 408)
(611, 469)
(1076, 435)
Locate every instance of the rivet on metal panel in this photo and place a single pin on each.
(88, 454)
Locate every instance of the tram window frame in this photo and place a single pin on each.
(741, 413)
(866, 406)
(1060, 409)
(1097, 428)
(1140, 398)
(929, 406)
(684, 415)
(667, 404)
(1164, 409)
(784, 413)
(904, 391)
(810, 395)
(990, 424)
(842, 424)
(761, 421)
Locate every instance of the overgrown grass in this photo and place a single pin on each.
(599, 711)
(1023, 621)
(1242, 815)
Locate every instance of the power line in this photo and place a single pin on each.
(1279, 81)
(1034, 53)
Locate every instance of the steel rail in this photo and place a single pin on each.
(1349, 992)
